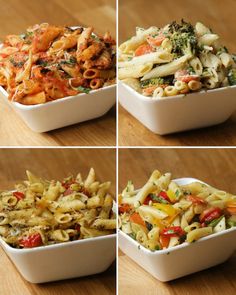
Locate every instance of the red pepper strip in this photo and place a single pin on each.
(147, 200)
(19, 195)
(173, 231)
(196, 200)
(164, 196)
(210, 214)
(157, 199)
(31, 241)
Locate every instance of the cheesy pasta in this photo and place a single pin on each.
(163, 214)
(41, 212)
(50, 62)
(155, 61)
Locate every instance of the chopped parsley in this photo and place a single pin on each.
(83, 89)
(16, 64)
(151, 82)
(132, 235)
(72, 61)
(158, 199)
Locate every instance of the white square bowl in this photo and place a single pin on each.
(65, 260)
(181, 112)
(184, 259)
(65, 111)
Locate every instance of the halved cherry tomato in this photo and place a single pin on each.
(124, 208)
(173, 231)
(143, 49)
(196, 200)
(31, 241)
(155, 41)
(19, 195)
(136, 218)
(210, 214)
(188, 78)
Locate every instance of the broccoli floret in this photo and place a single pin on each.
(232, 77)
(183, 38)
(151, 82)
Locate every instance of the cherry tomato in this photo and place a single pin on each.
(173, 231)
(210, 214)
(31, 241)
(196, 200)
(143, 49)
(19, 195)
(124, 208)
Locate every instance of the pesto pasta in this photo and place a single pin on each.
(163, 214)
(176, 59)
(41, 212)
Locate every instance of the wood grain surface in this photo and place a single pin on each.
(220, 16)
(214, 166)
(16, 16)
(55, 164)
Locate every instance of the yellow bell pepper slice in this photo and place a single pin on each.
(171, 195)
(168, 209)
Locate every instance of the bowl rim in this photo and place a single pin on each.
(171, 98)
(177, 247)
(53, 102)
(10, 249)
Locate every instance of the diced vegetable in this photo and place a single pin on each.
(168, 209)
(19, 195)
(124, 208)
(31, 241)
(210, 214)
(143, 49)
(196, 200)
(173, 231)
(136, 218)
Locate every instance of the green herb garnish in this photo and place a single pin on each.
(83, 89)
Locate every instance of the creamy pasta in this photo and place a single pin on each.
(41, 212)
(177, 53)
(163, 214)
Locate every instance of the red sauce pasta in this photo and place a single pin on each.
(50, 62)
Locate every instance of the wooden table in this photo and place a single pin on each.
(55, 164)
(16, 16)
(214, 166)
(220, 16)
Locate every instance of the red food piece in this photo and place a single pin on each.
(210, 214)
(173, 231)
(31, 241)
(19, 195)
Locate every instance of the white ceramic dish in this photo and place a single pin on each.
(182, 112)
(65, 111)
(184, 259)
(65, 260)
